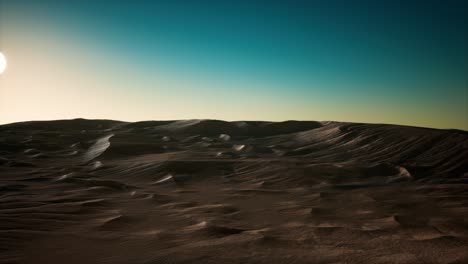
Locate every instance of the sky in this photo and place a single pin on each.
(399, 62)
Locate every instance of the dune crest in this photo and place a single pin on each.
(97, 148)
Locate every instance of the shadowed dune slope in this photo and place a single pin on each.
(210, 191)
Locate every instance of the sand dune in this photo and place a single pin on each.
(209, 191)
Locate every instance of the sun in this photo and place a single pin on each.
(3, 63)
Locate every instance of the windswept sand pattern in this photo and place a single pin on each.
(208, 191)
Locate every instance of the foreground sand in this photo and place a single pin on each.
(204, 191)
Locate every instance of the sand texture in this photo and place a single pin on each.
(207, 191)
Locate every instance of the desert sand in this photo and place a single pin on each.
(208, 191)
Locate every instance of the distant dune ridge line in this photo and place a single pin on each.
(211, 191)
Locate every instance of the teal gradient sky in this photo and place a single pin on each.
(403, 62)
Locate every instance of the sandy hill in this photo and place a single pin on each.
(210, 191)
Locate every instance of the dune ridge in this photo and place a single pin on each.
(211, 191)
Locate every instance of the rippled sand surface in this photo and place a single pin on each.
(207, 191)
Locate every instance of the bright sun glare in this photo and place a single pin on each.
(3, 63)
